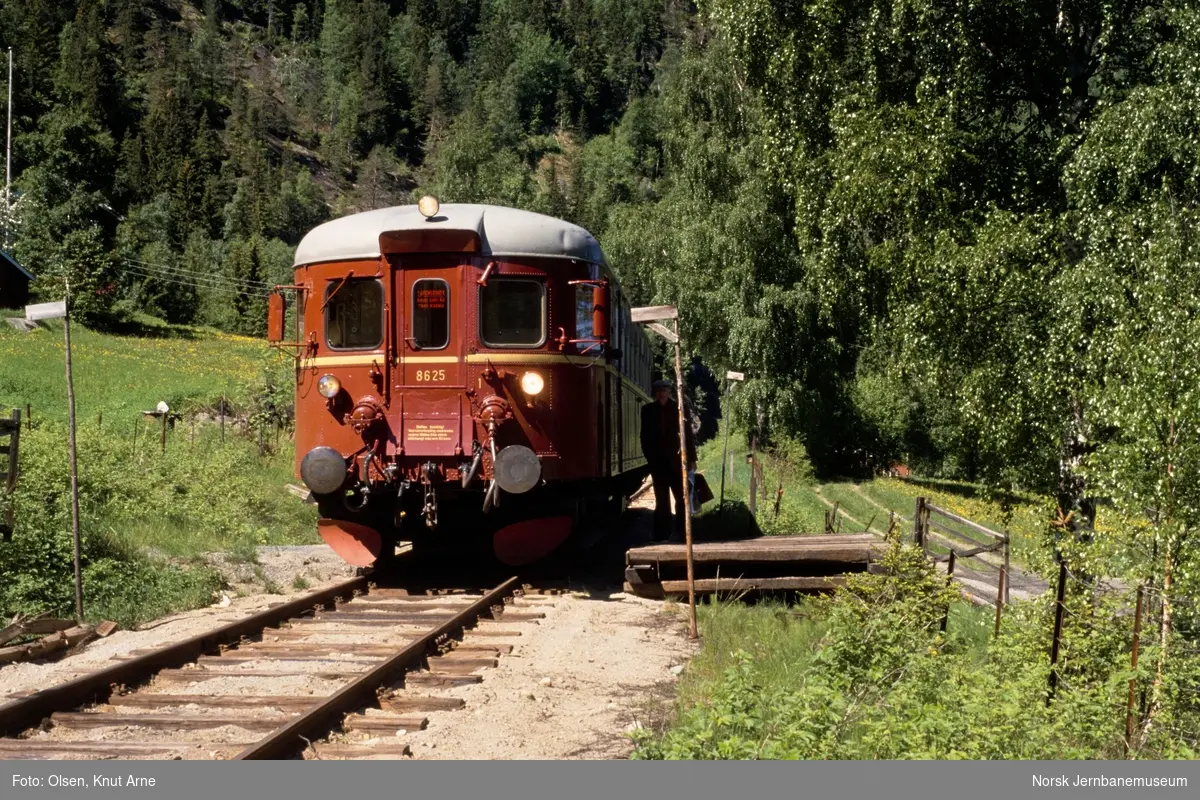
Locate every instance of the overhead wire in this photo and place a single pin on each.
(193, 273)
(214, 284)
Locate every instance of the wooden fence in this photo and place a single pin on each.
(10, 430)
(936, 529)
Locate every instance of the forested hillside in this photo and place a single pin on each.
(959, 234)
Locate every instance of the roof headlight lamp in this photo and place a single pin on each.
(328, 387)
(428, 206)
(532, 384)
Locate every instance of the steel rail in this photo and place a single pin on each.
(28, 712)
(293, 737)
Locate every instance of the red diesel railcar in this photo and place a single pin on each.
(465, 374)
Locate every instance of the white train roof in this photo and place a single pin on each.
(501, 232)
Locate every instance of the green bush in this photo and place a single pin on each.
(876, 678)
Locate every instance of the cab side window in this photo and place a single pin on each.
(512, 313)
(354, 314)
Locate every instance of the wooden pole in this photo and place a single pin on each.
(1133, 659)
(74, 469)
(1007, 567)
(754, 474)
(1001, 587)
(693, 632)
(222, 418)
(28, 417)
(724, 452)
(1059, 609)
(949, 580)
(163, 436)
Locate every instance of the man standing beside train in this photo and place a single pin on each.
(660, 445)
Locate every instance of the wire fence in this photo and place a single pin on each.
(1098, 621)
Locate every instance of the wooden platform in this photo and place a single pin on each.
(813, 563)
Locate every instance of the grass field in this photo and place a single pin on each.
(124, 375)
(149, 515)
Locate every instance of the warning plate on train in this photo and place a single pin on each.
(429, 438)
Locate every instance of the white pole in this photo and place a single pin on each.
(8, 159)
(77, 546)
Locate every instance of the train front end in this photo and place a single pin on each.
(436, 404)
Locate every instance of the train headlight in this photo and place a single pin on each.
(328, 387)
(532, 383)
(428, 206)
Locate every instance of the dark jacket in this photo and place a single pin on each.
(660, 435)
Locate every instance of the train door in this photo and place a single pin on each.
(429, 313)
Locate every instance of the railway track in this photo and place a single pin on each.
(302, 679)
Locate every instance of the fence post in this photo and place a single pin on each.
(1001, 589)
(753, 474)
(1059, 609)
(1007, 568)
(919, 524)
(1133, 659)
(949, 581)
(28, 417)
(163, 439)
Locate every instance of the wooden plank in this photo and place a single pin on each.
(385, 723)
(805, 583)
(384, 617)
(520, 616)
(353, 649)
(652, 591)
(652, 313)
(406, 594)
(332, 750)
(459, 665)
(43, 749)
(292, 649)
(400, 604)
(420, 702)
(81, 720)
(663, 331)
(964, 521)
(489, 633)
(964, 537)
(236, 660)
(430, 679)
(849, 554)
(198, 675)
(48, 645)
(959, 552)
(398, 633)
(773, 542)
(498, 649)
(36, 625)
(152, 700)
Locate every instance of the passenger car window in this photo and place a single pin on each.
(354, 314)
(512, 313)
(431, 314)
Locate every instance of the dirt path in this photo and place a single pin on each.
(572, 689)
